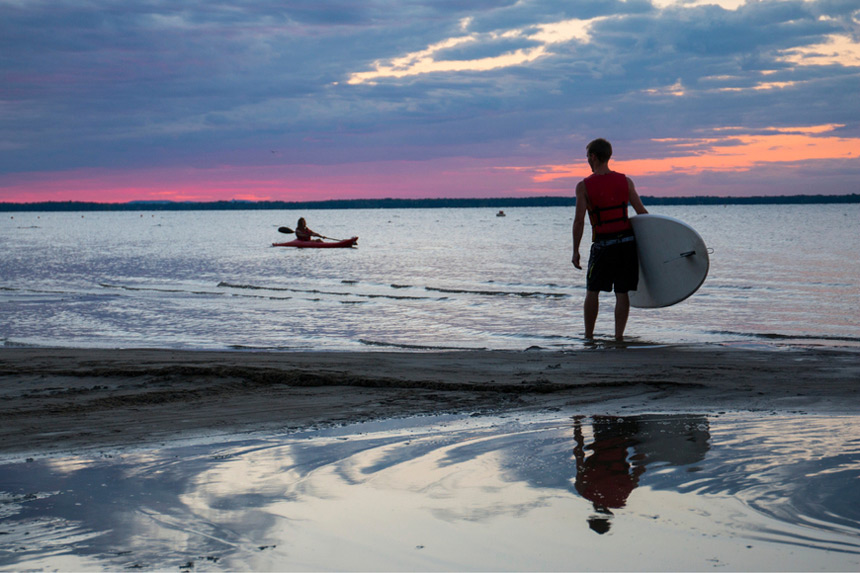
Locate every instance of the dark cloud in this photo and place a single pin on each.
(121, 84)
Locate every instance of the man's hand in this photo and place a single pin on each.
(575, 260)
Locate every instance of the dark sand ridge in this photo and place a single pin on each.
(65, 400)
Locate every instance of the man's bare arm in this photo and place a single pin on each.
(635, 201)
(579, 222)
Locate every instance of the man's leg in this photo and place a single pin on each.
(622, 311)
(590, 308)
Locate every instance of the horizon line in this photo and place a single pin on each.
(393, 202)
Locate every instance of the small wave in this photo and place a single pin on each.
(317, 291)
(16, 344)
(546, 337)
(393, 297)
(525, 294)
(834, 285)
(251, 348)
(223, 284)
(62, 293)
(414, 346)
(711, 285)
(154, 289)
(778, 336)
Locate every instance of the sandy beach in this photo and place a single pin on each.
(61, 400)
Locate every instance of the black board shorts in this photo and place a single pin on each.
(613, 266)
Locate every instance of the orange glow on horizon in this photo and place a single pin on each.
(731, 152)
(730, 149)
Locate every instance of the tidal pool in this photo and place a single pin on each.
(544, 491)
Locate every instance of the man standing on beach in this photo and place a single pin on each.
(612, 262)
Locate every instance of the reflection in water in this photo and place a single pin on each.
(663, 492)
(622, 448)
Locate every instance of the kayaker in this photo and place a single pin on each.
(613, 262)
(303, 233)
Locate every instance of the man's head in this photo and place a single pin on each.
(601, 149)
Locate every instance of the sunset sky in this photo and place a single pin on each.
(119, 100)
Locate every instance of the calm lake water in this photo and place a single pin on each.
(422, 278)
(543, 492)
(426, 278)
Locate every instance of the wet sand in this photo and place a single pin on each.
(66, 400)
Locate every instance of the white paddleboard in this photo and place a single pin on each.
(673, 261)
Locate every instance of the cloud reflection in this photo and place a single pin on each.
(453, 493)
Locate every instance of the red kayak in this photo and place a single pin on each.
(318, 244)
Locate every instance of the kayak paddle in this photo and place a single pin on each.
(288, 231)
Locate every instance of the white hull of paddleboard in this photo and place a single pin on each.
(673, 261)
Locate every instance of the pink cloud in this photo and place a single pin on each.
(400, 179)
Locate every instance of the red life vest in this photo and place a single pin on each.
(608, 195)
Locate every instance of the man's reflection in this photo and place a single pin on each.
(607, 476)
(620, 451)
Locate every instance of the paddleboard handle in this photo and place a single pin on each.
(681, 256)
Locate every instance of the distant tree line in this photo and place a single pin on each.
(495, 203)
